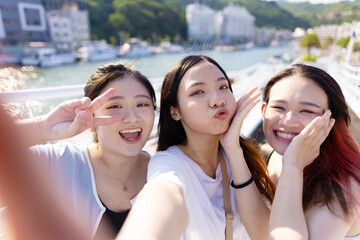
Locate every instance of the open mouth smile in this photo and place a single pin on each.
(131, 135)
(287, 136)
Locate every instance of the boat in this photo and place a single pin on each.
(46, 57)
(95, 53)
(134, 48)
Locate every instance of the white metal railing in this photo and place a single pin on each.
(42, 93)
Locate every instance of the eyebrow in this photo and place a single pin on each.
(301, 103)
(136, 96)
(202, 83)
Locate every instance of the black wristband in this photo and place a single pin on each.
(244, 184)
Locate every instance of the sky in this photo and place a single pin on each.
(316, 1)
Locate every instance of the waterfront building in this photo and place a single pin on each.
(200, 21)
(59, 26)
(264, 36)
(58, 21)
(235, 25)
(22, 21)
(347, 29)
(326, 31)
(283, 36)
(60, 12)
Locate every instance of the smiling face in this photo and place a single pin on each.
(293, 103)
(205, 103)
(133, 101)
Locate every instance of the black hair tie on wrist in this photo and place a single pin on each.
(243, 184)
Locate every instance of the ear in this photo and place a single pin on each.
(175, 114)
(263, 109)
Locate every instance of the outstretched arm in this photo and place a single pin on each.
(34, 208)
(253, 211)
(66, 120)
(159, 213)
(287, 219)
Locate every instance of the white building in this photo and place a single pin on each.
(200, 21)
(80, 22)
(264, 36)
(59, 26)
(347, 29)
(68, 26)
(326, 31)
(235, 24)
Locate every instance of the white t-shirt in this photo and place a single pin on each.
(203, 194)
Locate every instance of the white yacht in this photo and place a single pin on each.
(46, 57)
(134, 48)
(96, 51)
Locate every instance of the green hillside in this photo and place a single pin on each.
(317, 14)
(154, 19)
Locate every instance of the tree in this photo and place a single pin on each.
(343, 42)
(327, 42)
(310, 40)
(357, 47)
(146, 17)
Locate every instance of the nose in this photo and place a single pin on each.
(290, 119)
(130, 115)
(217, 100)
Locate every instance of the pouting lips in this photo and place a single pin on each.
(222, 114)
(130, 134)
(288, 136)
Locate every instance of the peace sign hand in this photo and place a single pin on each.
(74, 116)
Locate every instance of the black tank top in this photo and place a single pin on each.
(114, 219)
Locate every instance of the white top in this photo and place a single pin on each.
(203, 194)
(357, 237)
(71, 168)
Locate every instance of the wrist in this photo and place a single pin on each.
(292, 168)
(42, 125)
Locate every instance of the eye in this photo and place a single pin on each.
(114, 107)
(196, 92)
(224, 87)
(307, 111)
(143, 105)
(278, 108)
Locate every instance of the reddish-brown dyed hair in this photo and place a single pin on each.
(327, 179)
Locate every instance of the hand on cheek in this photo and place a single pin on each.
(243, 106)
(305, 147)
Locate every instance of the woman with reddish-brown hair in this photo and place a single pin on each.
(316, 162)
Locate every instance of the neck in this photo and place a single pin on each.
(204, 152)
(121, 165)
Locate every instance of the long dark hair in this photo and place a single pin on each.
(172, 132)
(327, 178)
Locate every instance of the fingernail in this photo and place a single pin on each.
(79, 110)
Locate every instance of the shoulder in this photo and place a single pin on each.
(166, 159)
(167, 166)
(335, 224)
(57, 148)
(54, 153)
